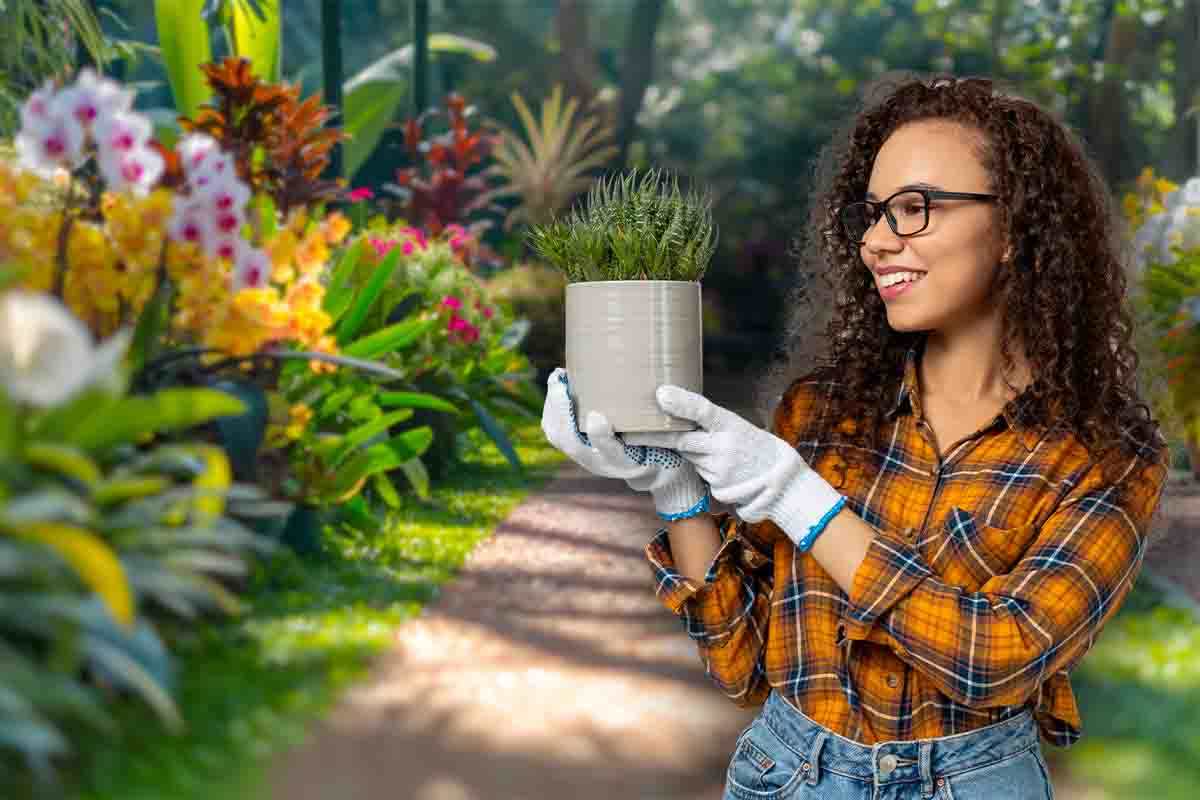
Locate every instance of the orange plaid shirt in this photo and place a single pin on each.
(992, 571)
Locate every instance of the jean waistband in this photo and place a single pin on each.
(896, 761)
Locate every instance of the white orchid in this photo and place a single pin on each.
(47, 355)
(252, 269)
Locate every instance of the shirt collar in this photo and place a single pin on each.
(1028, 432)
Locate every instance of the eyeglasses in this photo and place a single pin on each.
(907, 211)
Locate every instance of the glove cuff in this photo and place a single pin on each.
(804, 503)
(686, 495)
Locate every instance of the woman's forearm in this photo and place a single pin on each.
(694, 543)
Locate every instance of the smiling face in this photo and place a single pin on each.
(960, 251)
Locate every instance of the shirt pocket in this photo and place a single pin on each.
(969, 553)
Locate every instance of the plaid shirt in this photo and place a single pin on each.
(992, 571)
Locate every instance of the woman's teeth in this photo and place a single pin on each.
(892, 278)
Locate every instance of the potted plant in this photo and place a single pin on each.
(633, 254)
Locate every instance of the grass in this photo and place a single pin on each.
(1139, 694)
(250, 688)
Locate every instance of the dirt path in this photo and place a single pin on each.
(547, 669)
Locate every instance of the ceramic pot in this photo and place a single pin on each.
(627, 338)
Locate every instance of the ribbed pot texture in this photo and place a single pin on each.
(627, 338)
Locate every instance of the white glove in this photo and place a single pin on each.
(759, 474)
(672, 482)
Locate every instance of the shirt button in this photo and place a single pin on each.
(892, 681)
(887, 765)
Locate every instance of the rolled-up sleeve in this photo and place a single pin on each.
(995, 646)
(726, 615)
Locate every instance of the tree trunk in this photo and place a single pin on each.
(1107, 106)
(1185, 91)
(578, 61)
(637, 71)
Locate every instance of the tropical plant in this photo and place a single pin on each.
(41, 41)
(549, 167)
(279, 143)
(448, 183)
(109, 527)
(632, 227)
(428, 318)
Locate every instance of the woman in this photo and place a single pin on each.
(948, 509)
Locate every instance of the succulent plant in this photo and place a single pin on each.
(632, 227)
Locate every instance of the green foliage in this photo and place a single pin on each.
(1139, 693)
(40, 41)
(632, 227)
(251, 687)
(547, 169)
(107, 534)
(184, 41)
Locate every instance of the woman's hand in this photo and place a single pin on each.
(759, 474)
(674, 484)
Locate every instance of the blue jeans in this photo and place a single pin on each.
(784, 755)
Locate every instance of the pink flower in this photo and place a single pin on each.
(487, 312)
(417, 235)
(381, 246)
(457, 323)
(409, 248)
(450, 301)
(58, 142)
(457, 242)
(361, 193)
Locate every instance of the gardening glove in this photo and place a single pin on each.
(745, 466)
(674, 484)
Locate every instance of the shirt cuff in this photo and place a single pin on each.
(675, 589)
(891, 570)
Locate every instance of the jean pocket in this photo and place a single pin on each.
(1017, 777)
(762, 766)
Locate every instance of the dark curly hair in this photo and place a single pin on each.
(1064, 294)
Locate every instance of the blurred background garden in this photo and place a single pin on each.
(274, 342)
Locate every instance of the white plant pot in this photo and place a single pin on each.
(627, 338)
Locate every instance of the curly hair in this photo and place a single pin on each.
(1063, 295)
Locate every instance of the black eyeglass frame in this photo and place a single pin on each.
(928, 194)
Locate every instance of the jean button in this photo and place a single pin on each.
(887, 765)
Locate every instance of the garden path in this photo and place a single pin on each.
(547, 669)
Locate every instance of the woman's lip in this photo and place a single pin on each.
(896, 289)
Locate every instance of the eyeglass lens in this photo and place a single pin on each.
(908, 214)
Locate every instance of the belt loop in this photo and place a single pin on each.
(925, 759)
(814, 758)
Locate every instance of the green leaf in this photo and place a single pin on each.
(334, 402)
(151, 327)
(496, 432)
(64, 460)
(369, 109)
(349, 325)
(384, 457)
(418, 476)
(341, 289)
(257, 36)
(362, 433)
(387, 490)
(415, 400)
(168, 410)
(184, 43)
(390, 339)
(242, 434)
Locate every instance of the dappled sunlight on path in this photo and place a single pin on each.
(546, 668)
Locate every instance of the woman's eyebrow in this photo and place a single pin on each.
(907, 186)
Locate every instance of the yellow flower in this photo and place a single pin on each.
(336, 227)
(299, 415)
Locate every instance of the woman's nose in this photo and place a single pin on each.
(880, 236)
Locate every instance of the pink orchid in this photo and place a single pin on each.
(361, 193)
(450, 301)
(252, 270)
